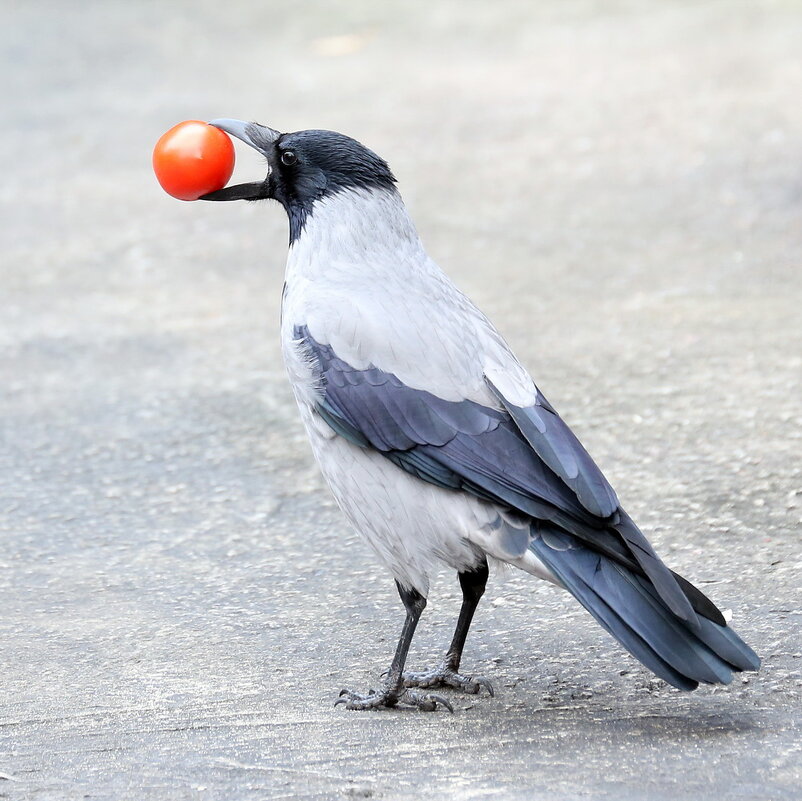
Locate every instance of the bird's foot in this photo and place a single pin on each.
(444, 676)
(390, 697)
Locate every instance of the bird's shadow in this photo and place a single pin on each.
(625, 723)
(673, 726)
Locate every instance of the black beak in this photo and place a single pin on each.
(259, 137)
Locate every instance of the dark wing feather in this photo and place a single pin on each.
(559, 448)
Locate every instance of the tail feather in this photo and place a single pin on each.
(631, 609)
(723, 641)
(664, 581)
(701, 604)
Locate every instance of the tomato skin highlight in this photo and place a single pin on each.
(192, 159)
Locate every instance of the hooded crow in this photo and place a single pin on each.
(434, 439)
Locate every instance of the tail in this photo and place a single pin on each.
(628, 606)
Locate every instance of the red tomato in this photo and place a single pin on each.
(193, 158)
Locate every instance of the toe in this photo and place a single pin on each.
(474, 685)
(426, 702)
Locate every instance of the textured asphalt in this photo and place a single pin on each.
(618, 185)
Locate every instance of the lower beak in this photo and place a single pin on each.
(259, 137)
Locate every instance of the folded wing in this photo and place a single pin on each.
(525, 459)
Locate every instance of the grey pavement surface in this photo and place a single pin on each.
(618, 185)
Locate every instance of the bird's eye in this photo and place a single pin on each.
(288, 158)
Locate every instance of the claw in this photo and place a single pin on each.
(345, 697)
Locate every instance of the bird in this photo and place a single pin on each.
(434, 439)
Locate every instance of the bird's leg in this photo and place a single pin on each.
(394, 692)
(473, 584)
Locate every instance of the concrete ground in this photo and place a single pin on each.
(618, 185)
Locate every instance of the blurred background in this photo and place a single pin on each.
(618, 185)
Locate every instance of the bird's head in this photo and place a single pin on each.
(304, 167)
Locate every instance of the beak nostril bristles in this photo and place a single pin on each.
(257, 136)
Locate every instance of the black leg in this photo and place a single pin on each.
(394, 691)
(414, 603)
(473, 585)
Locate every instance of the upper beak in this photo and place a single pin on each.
(259, 137)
